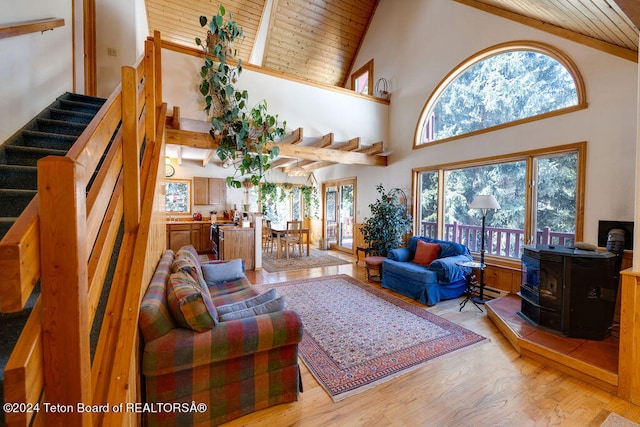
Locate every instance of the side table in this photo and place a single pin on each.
(472, 281)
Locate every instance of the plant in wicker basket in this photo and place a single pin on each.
(388, 224)
(243, 134)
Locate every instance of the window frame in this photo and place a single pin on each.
(520, 45)
(368, 67)
(580, 148)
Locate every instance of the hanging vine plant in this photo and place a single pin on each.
(243, 133)
(311, 201)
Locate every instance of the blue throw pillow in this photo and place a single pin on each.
(222, 272)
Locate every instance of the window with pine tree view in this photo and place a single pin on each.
(503, 88)
(554, 202)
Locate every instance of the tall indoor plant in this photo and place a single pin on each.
(388, 224)
(242, 133)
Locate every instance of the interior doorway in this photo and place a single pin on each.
(339, 213)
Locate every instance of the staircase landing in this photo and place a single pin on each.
(595, 362)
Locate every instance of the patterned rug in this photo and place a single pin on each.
(316, 258)
(356, 336)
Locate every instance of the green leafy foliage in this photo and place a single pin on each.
(388, 224)
(501, 89)
(243, 134)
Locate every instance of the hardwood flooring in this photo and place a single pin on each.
(487, 385)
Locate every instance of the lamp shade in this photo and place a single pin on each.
(297, 170)
(484, 201)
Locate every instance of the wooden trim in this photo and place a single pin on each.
(90, 49)
(366, 68)
(27, 27)
(600, 45)
(255, 68)
(579, 147)
(462, 67)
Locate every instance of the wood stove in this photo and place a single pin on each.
(569, 291)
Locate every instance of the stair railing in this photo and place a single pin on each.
(75, 236)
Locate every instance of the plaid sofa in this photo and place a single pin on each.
(235, 368)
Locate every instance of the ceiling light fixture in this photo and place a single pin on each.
(297, 170)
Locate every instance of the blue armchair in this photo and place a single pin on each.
(442, 279)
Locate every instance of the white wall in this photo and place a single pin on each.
(117, 27)
(416, 50)
(35, 68)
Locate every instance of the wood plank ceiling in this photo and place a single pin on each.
(318, 40)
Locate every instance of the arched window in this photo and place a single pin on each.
(501, 86)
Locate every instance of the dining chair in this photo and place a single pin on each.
(293, 236)
(267, 236)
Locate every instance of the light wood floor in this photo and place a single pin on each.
(487, 385)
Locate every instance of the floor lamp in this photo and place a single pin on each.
(483, 202)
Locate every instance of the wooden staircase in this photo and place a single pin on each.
(50, 133)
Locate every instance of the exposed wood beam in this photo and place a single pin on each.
(287, 164)
(190, 138)
(328, 154)
(609, 48)
(376, 148)
(631, 8)
(352, 145)
(294, 138)
(207, 157)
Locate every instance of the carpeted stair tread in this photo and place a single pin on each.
(60, 127)
(13, 202)
(29, 156)
(19, 177)
(83, 107)
(38, 139)
(70, 116)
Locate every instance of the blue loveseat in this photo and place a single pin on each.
(442, 279)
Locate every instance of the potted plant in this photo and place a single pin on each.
(388, 224)
(242, 133)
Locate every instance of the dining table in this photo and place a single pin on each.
(279, 234)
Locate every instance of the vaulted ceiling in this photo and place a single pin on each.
(318, 40)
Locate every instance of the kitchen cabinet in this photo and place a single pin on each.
(238, 242)
(189, 233)
(209, 191)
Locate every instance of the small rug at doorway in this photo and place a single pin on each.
(315, 259)
(357, 336)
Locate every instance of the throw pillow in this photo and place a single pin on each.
(268, 307)
(222, 272)
(190, 303)
(270, 295)
(426, 253)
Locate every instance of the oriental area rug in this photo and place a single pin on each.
(356, 336)
(316, 258)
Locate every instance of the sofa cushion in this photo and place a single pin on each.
(216, 273)
(190, 303)
(252, 301)
(409, 271)
(272, 306)
(426, 253)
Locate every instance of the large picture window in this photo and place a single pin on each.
(501, 86)
(540, 194)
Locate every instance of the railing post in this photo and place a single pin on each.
(64, 281)
(546, 236)
(131, 150)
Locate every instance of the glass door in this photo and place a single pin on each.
(339, 218)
